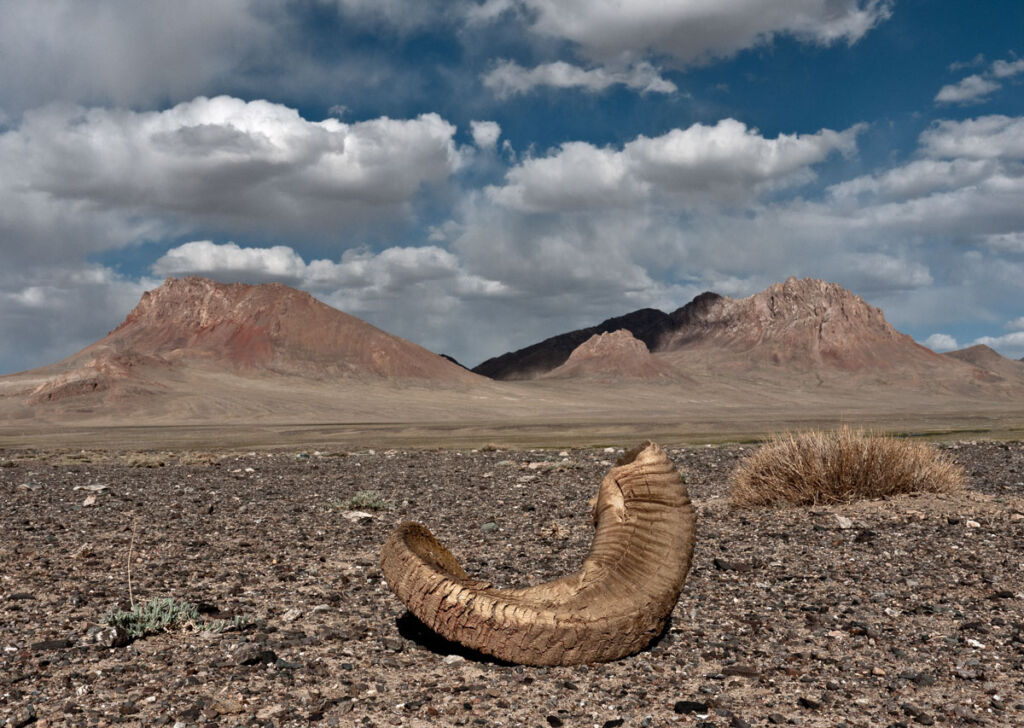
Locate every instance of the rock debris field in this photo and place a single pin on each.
(900, 612)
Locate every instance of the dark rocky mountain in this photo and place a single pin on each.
(649, 325)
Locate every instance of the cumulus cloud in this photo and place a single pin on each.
(985, 137)
(508, 78)
(485, 134)
(724, 162)
(224, 162)
(52, 311)
(972, 89)
(1005, 69)
(121, 51)
(941, 342)
(1016, 325)
(695, 31)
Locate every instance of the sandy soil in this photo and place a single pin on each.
(911, 613)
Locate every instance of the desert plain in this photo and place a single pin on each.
(245, 451)
(905, 611)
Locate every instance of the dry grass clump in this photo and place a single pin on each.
(839, 466)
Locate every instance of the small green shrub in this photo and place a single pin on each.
(370, 500)
(844, 465)
(165, 613)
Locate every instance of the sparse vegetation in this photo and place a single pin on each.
(369, 500)
(839, 466)
(165, 613)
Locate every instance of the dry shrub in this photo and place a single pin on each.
(839, 466)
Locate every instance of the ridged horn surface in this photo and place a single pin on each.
(613, 606)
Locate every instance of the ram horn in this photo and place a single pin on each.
(613, 606)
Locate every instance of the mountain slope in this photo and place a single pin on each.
(239, 329)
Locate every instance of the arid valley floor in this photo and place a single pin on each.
(909, 613)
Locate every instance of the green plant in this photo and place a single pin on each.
(371, 500)
(832, 467)
(161, 614)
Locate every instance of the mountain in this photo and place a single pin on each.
(615, 355)
(649, 325)
(991, 361)
(238, 329)
(801, 325)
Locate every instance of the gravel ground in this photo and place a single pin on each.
(901, 612)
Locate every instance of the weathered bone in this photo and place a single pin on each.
(613, 606)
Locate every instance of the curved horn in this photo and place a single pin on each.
(613, 606)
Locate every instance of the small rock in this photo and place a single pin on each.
(1001, 594)
(776, 718)
(683, 707)
(112, 637)
(89, 501)
(489, 527)
(291, 615)
(809, 703)
(741, 671)
(23, 717)
(973, 524)
(453, 659)
(843, 522)
(613, 723)
(270, 712)
(877, 671)
(554, 721)
(226, 705)
(357, 516)
(865, 535)
(736, 722)
(46, 645)
(251, 653)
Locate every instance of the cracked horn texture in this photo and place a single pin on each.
(613, 606)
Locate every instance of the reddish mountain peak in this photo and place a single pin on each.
(269, 327)
(616, 354)
(802, 322)
(990, 360)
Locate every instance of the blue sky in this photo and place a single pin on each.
(475, 175)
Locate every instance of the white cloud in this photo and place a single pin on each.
(391, 271)
(985, 137)
(724, 162)
(696, 31)
(972, 89)
(1016, 325)
(941, 342)
(1005, 69)
(121, 51)
(52, 311)
(224, 162)
(508, 78)
(485, 134)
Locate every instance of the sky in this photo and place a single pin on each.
(477, 175)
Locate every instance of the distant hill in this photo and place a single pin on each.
(991, 361)
(648, 325)
(616, 355)
(801, 324)
(236, 329)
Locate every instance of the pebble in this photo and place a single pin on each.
(843, 522)
(453, 659)
(250, 653)
(489, 527)
(973, 524)
(23, 717)
(683, 707)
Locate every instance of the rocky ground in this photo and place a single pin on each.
(901, 612)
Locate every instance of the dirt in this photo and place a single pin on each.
(907, 611)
